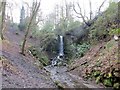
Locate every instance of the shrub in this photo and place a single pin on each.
(114, 31)
(74, 50)
(81, 49)
(108, 79)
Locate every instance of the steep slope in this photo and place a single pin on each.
(20, 71)
(102, 59)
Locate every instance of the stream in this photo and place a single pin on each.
(60, 75)
(64, 79)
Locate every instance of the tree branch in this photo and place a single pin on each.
(101, 6)
(80, 13)
(90, 9)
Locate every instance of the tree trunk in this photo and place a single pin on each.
(36, 8)
(3, 18)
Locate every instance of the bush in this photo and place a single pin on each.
(81, 49)
(74, 50)
(100, 28)
(70, 51)
(114, 31)
(108, 79)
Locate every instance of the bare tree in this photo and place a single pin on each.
(99, 9)
(90, 9)
(34, 12)
(9, 12)
(3, 6)
(80, 14)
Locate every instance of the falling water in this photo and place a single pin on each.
(60, 53)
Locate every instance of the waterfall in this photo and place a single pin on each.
(60, 53)
(61, 49)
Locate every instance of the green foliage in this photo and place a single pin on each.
(66, 26)
(22, 26)
(73, 24)
(104, 23)
(48, 26)
(69, 50)
(73, 51)
(96, 73)
(108, 79)
(115, 31)
(44, 59)
(14, 26)
(98, 79)
(111, 11)
(48, 40)
(34, 30)
(39, 55)
(81, 49)
(107, 82)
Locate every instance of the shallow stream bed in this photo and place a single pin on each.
(64, 79)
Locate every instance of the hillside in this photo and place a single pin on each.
(24, 71)
(100, 63)
(67, 48)
(20, 71)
